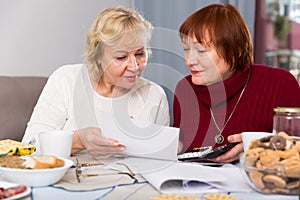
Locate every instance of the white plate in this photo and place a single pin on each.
(6, 184)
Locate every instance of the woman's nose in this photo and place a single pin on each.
(191, 58)
(132, 63)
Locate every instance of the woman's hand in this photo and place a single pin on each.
(95, 143)
(234, 153)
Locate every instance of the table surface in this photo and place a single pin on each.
(115, 186)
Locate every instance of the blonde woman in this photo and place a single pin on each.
(77, 96)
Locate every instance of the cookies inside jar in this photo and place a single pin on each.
(272, 164)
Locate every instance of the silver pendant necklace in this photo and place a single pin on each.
(219, 139)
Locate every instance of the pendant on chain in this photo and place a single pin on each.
(219, 139)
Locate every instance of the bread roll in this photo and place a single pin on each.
(43, 162)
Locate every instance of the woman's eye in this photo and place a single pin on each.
(121, 57)
(140, 54)
(186, 47)
(201, 51)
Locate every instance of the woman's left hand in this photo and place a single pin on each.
(234, 153)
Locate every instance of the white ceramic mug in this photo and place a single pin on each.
(56, 142)
(247, 137)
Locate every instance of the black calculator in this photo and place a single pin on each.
(204, 153)
(195, 153)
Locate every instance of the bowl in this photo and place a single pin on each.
(282, 177)
(36, 177)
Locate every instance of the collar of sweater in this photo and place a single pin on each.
(223, 91)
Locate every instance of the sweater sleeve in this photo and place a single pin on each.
(51, 110)
(289, 92)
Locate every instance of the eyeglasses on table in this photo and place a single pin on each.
(80, 174)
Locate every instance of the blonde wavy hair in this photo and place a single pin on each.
(113, 25)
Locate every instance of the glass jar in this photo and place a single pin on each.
(287, 119)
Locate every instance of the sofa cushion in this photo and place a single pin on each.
(18, 96)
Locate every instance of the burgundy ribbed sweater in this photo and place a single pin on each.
(267, 88)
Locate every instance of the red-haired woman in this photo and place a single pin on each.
(225, 93)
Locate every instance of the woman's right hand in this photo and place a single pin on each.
(95, 143)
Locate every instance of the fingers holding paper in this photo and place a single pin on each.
(95, 143)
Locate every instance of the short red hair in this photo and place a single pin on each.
(227, 31)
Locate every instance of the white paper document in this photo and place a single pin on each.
(183, 177)
(142, 139)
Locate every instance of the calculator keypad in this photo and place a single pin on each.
(195, 153)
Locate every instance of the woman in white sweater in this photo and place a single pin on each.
(77, 96)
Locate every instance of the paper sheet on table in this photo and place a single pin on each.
(234, 182)
(181, 177)
(142, 139)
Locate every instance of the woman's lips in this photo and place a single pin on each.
(131, 78)
(194, 72)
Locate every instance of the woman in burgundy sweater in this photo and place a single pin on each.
(225, 93)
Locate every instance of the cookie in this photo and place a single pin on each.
(268, 157)
(172, 197)
(290, 167)
(252, 156)
(274, 181)
(277, 142)
(289, 153)
(256, 178)
(219, 196)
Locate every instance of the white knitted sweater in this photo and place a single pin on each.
(69, 102)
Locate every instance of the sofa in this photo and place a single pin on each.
(18, 96)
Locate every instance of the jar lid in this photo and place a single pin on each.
(287, 109)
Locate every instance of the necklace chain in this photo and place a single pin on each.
(219, 138)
